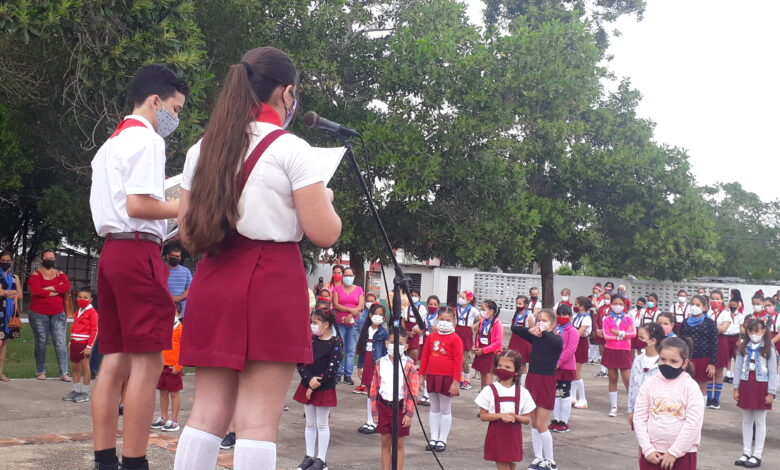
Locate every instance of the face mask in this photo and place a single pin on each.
(5, 266)
(445, 327)
(543, 325)
(504, 374)
(432, 309)
(348, 280)
(391, 349)
(755, 339)
(733, 309)
(564, 298)
(315, 329)
(682, 299)
(667, 329)
(415, 299)
(770, 309)
(174, 261)
(651, 305)
(338, 277)
(48, 263)
(696, 310)
(669, 372)
(83, 303)
(617, 309)
(563, 320)
(576, 309)
(166, 122)
(377, 319)
(534, 298)
(369, 304)
(758, 308)
(483, 315)
(290, 114)
(462, 301)
(717, 304)
(324, 299)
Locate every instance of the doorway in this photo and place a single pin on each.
(453, 289)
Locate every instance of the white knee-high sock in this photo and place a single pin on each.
(565, 410)
(759, 417)
(310, 431)
(446, 417)
(613, 399)
(197, 450)
(369, 415)
(747, 432)
(323, 431)
(254, 455)
(557, 409)
(536, 442)
(603, 370)
(578, 387)
(547, 445)
(434, 417)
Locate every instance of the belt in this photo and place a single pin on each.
(390, 404)
(141, 236)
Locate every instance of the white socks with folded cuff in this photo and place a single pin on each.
(543, 444)
(254, 455)
(197, 450)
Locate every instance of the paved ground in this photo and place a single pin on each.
(39, 431)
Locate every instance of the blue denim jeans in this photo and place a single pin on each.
(348, 361)
(43, 326)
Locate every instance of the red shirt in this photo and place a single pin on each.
(443, 355)
(42, 301)
(85, 326)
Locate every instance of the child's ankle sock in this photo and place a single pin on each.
(106, 456)
(135, 463)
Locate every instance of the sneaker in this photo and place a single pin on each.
(535, 464)
(348, 380)
(465, 386)
(581, 404)
(318, 465)
(70, 396)
(361, 390)
(306, 464)
(709, 403)
(550, 465)
(159, 423)
(338, 379)
(424, 402)
(81, 397)
(601, 374)
(728, 380)
(553, 425)
(562, 427)
(229, 441)
(171, 426)
(715, 404)
(613, 412)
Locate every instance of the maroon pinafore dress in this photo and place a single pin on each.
(463, 330)
(484, 362)
(368, 364)
(518, 344)
(504, 441)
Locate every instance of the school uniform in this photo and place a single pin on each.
(440, 362)
(488, 339)
(755, 376)
(83, 332)
(374, 349)
(504, 441)
(262, 310)
(430, 324)
(534, 306)
(381, 394)
(169, 381)
(598, 321)
(583, 344)
(617, 349)
(413, 341)
(643, 316)
(724, 346)
(327, 355)
(704, 335)
(466, 316)
(516, 343)
(680, 312)
(540, 380)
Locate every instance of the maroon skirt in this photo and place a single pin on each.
(733, 340)
(368, 369)
(637, 343)
(466, 335)
(700, 369)
(248, 303)
(724, 355)
(583, 350)
(617, 359)
(520, 346)
(752, 394)
(686, 462)
(384, 423)
(484, 363)
(413, 342)
(504, 442)
(564, 375)
(542, 389)
(777, 345)
(438, 384)
(318, 397)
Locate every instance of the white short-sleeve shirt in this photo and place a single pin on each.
(586, 320)
(133, 162)
(265, 209)
(486, 400)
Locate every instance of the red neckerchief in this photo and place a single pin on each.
(266, 114)
(652, 317)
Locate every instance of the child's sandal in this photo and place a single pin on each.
(440, 446)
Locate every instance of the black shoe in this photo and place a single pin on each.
(338, 379)
(709, 403)
(715, 405)
(318, 465)
(753, 462)
(728, 380)
(307, 463)
(740, 462)
(105, 466)
(229, 441)
(348, 380)
(440, 447)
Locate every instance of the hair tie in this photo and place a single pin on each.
(248, 69)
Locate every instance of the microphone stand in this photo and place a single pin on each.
(401, 282)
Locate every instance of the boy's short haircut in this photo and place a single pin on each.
(402, 333)
(85, 289)
(155, 79)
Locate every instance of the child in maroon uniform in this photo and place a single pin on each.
(523, 316)
(82, 337)
(487, 342)
(371, 345)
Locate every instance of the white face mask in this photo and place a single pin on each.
(445, 327)
(696, 310)
(315, 329)
(166, 122)
(462, 301)
(618, 309)
(564, 298)
(543, 325)
(758, 308)
(483, 315)
(391, 348)
(755, 339)
(682, 299)
(415, 299)
(369, 304)
(348, 280)
(377, 319)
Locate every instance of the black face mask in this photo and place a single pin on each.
(48, 263)
(670, 372)
(733, 309)
(534, 298)
(174, 261)
(5, 266)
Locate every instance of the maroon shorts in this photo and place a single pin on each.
(583, 350)
(385, 423)
(318, 397)
(564, 375)
(136, 309)
(75, 351)
(413, 342)
(248, 303)
(542, 388)
(438, 384)
(617, 359)
(686, 462)
(700, 369)
(733, 340)
(752, 394)
(723, 352)
(169, 382)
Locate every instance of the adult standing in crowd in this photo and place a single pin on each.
(10, 303)
(48, 287)
(348, 300)
(179, 278)
(336, 278)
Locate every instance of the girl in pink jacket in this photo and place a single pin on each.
(567, 368)
(487, 342)
(618, 330)
(669, 412)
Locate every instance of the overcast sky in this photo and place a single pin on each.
(709, 75)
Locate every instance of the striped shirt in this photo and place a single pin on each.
(178, 281)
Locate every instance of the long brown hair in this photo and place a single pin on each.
(213, 206)
(756, 325)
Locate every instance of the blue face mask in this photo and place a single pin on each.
(650, 305)
(348, 280)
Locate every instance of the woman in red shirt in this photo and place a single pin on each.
(49, 287)
(440, 368)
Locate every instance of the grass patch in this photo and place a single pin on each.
(20, 356)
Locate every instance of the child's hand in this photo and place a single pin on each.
(769, 399)
(711, 371)
(315, 383)
(507, 417)
(175, 372)
(454, 389)
(615, 332)
(477, 351)
(406, 422)
(630, 417)
(536, 331)
(308, 393)
(86, 353)
(736, 394)
(667, 461)
(654, 458)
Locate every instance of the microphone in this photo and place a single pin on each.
(311, 119)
